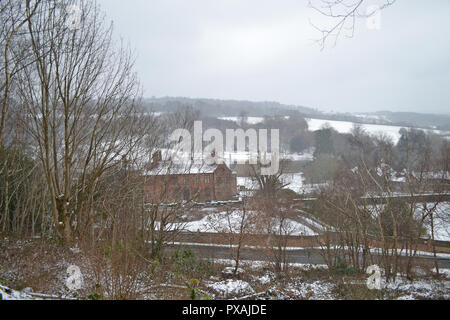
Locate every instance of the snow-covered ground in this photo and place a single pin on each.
(341, 126)
(259, 265)
(26, 294)
(250, 120)
(296, 182)
(441, 215)
(257, 280)
(441, 222)
(418, 289)
(246, 182)
(239, 157)
(261, 283)
(346, 127)
(230, 288)
(293, 181)
(9, 294)
(316, 289)
(230, 222)
(304, 156)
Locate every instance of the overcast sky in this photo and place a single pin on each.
(262, 50)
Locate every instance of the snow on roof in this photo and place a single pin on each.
(433, 175)
(185, 168)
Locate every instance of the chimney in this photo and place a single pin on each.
(211, 158)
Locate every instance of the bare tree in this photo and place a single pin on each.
(371, 208)
(343, 15)
(79, 94)
(14, 16)
(23, 193)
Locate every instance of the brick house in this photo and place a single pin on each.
(170, 182)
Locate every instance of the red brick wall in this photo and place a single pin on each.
(225, 185)
(220, 185)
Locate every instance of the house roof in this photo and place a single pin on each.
(170, 168)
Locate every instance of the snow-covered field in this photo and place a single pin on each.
(296, 182)
(250, 120)
(346, 127)
(293, 181)
(228, 158)
(341, 126)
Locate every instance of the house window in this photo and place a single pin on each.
(147, 194)
(208, 194)
(185, 179)
(196, 180)
(207, 179)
